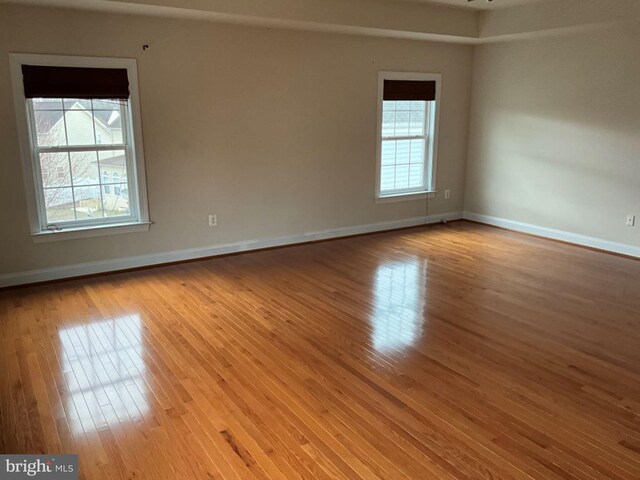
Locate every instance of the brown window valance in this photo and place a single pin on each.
(75, 82)
(409, 90)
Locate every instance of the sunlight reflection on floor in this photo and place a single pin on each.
(104, 366)
(398, 301)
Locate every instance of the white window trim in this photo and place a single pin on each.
(431, 148)
(138, 178)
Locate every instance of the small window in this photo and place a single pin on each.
(71, 106)
(407, 134)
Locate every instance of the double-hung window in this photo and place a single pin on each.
(407, 134)
(79, 125)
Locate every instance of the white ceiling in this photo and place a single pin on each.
(480, 4)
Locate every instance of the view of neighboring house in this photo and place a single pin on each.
(87, 183)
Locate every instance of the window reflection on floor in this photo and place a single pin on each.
(103, 363)
(398, 301)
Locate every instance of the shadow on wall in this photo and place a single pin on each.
(552, 171)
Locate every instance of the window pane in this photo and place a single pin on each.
(417, 122)
(417, 151)
(49, 126)
(402, 122)
(403, 118)
(416, 176)
(59, 204)
(47, 104)
(54, 168)
(108, 122)
(387, 178)
(88, 202)
(78, 123)
(107, 104)
(77, 104)
(402, 165)
(388, 123)
(402, 152)
(113, 164)
(113, 161)
(84, 167)
(402, 177)
(388, 152)
(389, 105)
(116, 203)
(80, 127)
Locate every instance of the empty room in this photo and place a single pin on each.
(320, 239)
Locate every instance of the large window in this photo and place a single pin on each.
(82, 152)
(407, 134)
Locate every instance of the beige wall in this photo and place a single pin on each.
(272, 130)
(555, 133)
(544, 17)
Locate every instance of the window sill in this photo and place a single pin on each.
(403, 197)
(93, 231)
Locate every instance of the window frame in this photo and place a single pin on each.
(431, 144)
(138, 220)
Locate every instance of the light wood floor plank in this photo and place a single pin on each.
(457, 352)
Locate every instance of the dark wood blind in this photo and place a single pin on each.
(75, 82)
(409, 90)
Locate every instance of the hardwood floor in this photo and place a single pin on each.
(448, 352)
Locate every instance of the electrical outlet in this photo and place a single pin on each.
(631, 220)
(447, 194)
(213, 220)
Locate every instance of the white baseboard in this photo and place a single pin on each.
(554, 234)
(90, 268)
